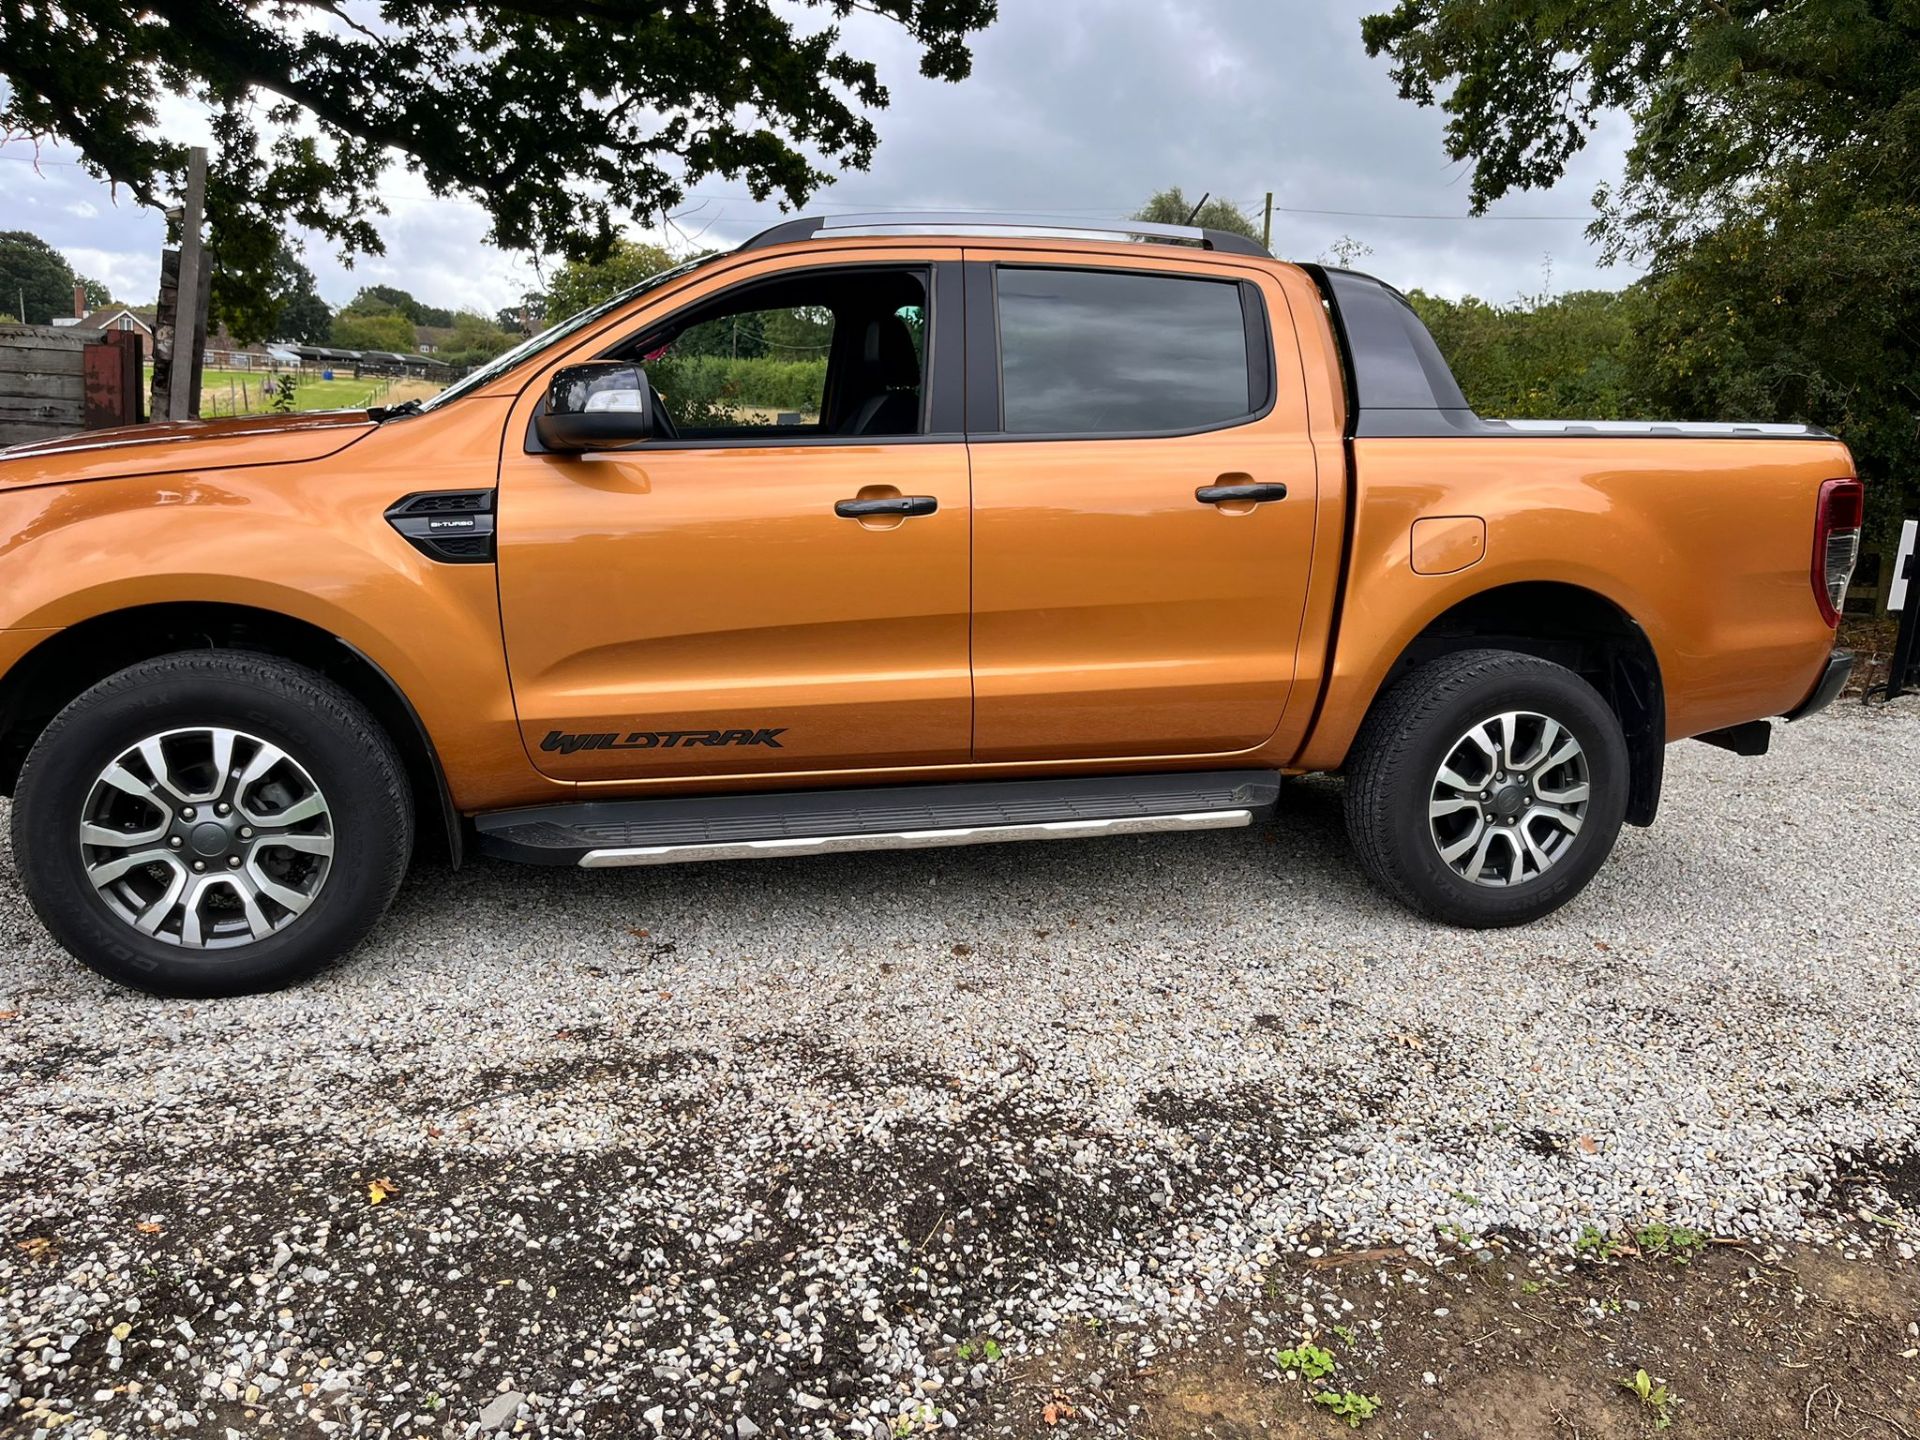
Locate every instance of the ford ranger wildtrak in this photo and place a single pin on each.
(1079, 532)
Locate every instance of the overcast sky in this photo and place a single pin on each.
(1081, 106)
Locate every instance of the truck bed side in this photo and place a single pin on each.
(1705, 544)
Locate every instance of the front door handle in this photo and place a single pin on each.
(887, 506)
(1257, 494)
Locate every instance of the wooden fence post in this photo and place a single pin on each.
(183, 306)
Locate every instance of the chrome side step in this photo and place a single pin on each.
(912, 839)
(757, 825)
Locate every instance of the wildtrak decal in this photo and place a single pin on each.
(660, 739)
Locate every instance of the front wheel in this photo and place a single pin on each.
(211, 823)
(1486, 788)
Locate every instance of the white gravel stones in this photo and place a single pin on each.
(833, 1144)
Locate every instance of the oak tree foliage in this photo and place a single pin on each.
(557, 119)
(35, 274)
(1172, 207)
(373, 330)
(1772, 189)
(300, 313)
(391, 297)
(581, 283)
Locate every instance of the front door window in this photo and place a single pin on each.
(820, 354)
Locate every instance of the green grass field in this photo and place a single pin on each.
(237, 392)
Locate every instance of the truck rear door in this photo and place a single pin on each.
(1143, 504)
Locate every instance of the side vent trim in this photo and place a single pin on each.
(454, 527)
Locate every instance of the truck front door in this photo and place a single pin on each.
(731, 598)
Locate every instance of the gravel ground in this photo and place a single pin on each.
(833, 1146)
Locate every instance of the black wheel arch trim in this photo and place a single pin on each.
(456, 833)
(1630, 678)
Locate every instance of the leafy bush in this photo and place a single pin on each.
(707, 389)
(1561, 357)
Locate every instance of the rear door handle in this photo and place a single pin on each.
(1258, 494)
(891, 505)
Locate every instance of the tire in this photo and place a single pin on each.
(255, 905)
(1413, 827)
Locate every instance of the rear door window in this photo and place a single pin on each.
(1088, 352)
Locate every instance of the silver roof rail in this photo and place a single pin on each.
(962, 222)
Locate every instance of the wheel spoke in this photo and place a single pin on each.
(108, 838)
(1480, 736)
(1454, 780)
(1572, 795)
(285, 895)
(1509, 724)
(305, 844)
(128, 783)
(1479, 862)
(1438, 808)
(1560, 757)
(1550, 732)
(108, 871)
(222, 741)
(190, 932)
(305, 809)
(151, 918)
(153, 751)
(1566, 818)
(257, 922)
(1465, 843)
(1541, 859)
(264, 759)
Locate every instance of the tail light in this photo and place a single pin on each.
(1836, 544)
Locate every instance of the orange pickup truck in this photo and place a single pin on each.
(1072, 533)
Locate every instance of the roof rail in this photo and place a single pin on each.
(963, 222)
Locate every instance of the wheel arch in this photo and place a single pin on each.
(1574, 626)
(70, 660)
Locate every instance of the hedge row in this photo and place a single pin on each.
(701, 383)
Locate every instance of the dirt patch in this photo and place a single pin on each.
(1497, 1345)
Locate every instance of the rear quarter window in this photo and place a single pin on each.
(1087, 352)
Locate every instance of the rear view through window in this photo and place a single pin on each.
(1086, 352)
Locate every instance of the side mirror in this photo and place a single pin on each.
(600, 405)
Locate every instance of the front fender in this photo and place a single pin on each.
(295, 542)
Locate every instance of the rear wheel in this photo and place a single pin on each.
(1487, 787)
(211, 823)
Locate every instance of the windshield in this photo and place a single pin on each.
(500, 364)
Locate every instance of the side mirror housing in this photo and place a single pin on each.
(601, 405)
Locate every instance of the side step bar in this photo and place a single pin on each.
(605, 834)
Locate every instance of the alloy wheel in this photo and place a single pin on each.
(1509, 799)
(206, 837)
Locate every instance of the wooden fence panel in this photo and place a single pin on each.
(44, 383)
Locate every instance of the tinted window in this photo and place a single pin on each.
(1084, 352)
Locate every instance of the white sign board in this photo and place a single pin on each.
(1902, 563)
